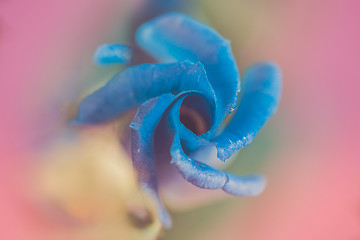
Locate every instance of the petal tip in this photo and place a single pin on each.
(252, 185)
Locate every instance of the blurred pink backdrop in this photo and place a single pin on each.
(45, 54)
(314, 174)
(314, 178)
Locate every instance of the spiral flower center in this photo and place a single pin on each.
(194, 114)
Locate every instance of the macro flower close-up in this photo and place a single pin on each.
(194, 93)
(155, 119)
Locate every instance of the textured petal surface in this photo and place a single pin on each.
(205, 176)
(174, 37)
(142, 147)
(194, 91)
(143, 128)
(132, 86)
(261, 98)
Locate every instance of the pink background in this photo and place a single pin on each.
(314, 172)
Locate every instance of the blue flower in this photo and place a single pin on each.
(197, 74)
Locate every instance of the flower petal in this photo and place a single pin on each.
(132, 86)
(262, 92)
(207, 69)
(176, 37)
(251, 185)
(142, 128)
(197, 173)
(205, 176)
(107, 54)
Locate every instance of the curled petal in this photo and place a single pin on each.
(133, 86)
(203, 79)
(143, 128)
(177, 37)
(261, 98)
(204, 176)
(252, 185)
(142, 146)
(197, 173)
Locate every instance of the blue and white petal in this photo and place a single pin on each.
(201, 71)
(134, 85)
(204, 176)
(177, 37)
(261, 98)
(143, 128)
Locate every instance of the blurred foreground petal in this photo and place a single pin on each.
(86, 181)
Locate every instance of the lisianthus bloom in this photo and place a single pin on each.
(182, 103)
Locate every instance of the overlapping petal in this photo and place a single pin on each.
(142, 134)
(203, 72)
(262, 90)
(134, 85)
(177, 37)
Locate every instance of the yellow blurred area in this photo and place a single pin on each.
(86, 180)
